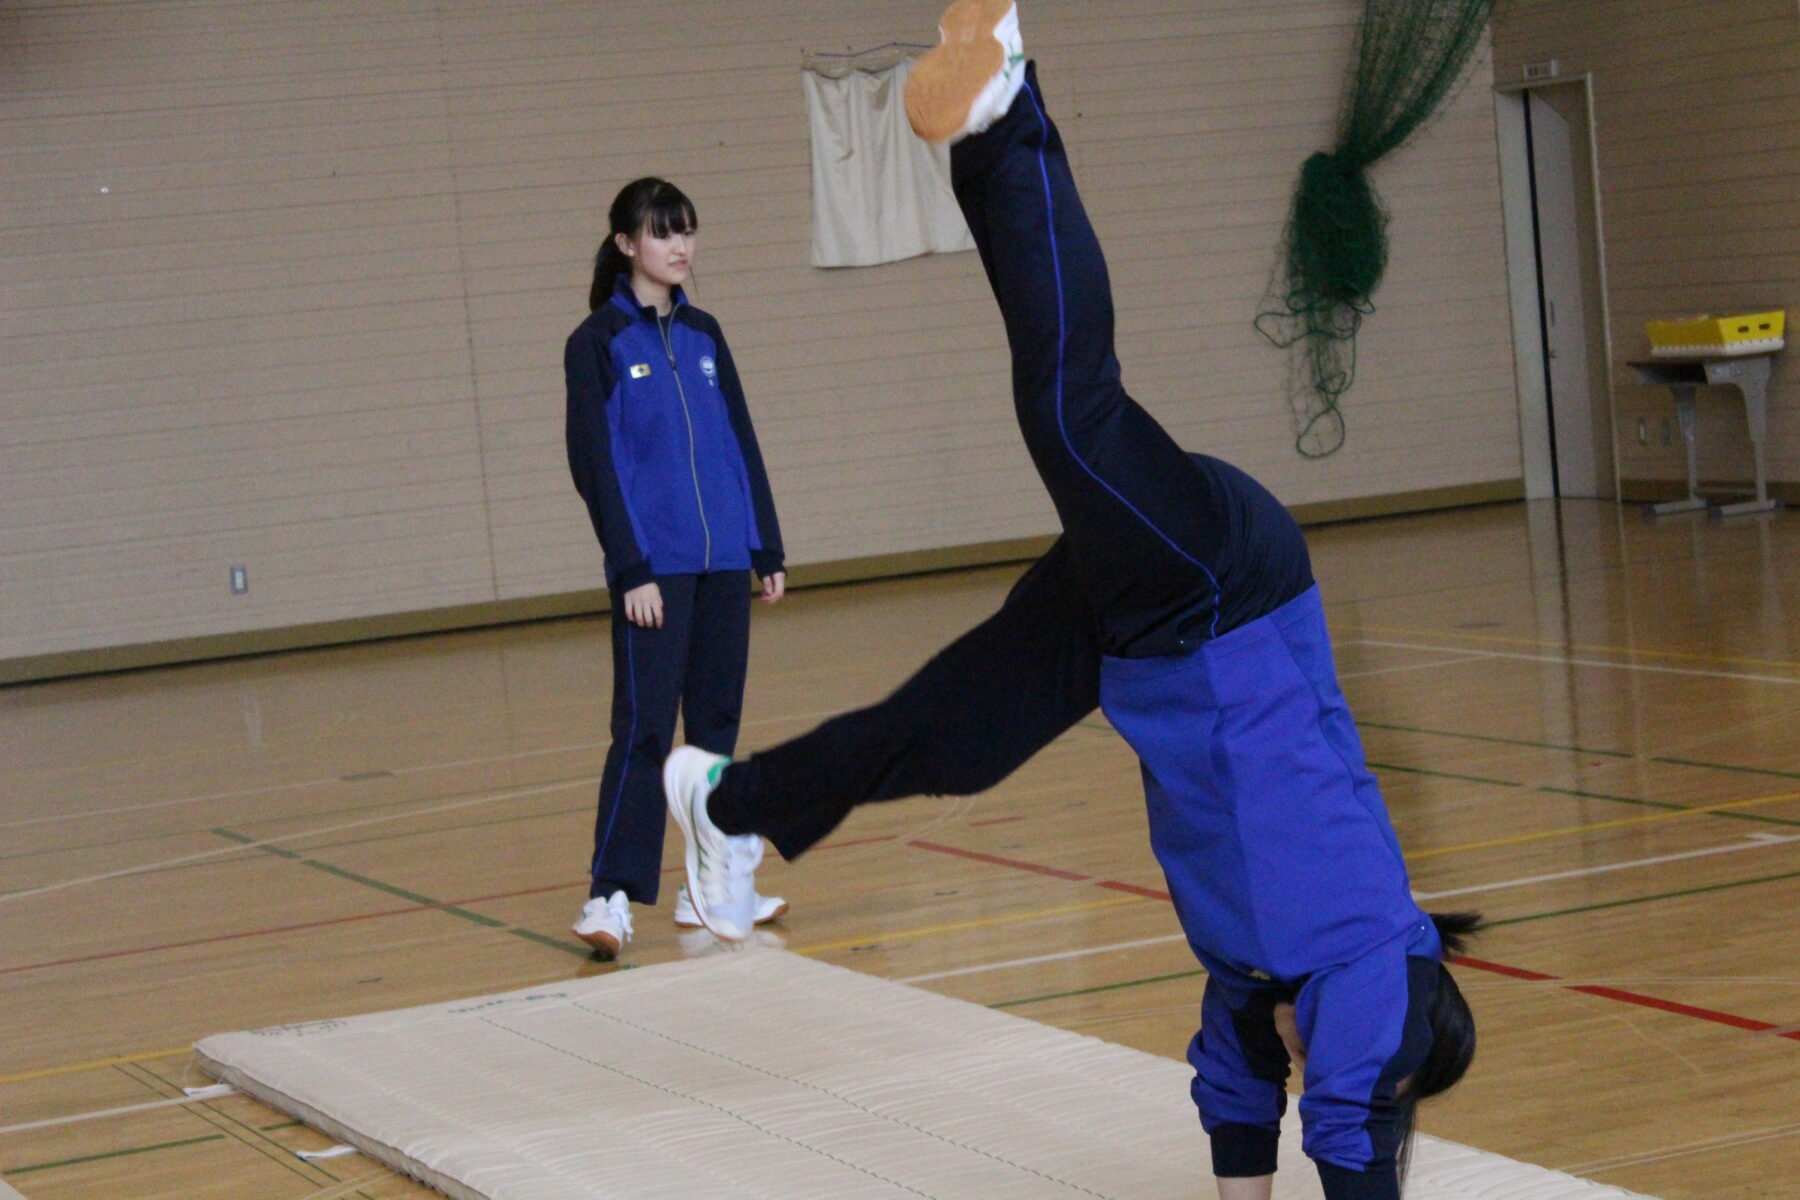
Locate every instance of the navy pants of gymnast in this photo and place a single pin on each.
(1179, 598)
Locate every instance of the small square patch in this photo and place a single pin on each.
(639, 370)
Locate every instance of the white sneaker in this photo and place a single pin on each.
(721, 870)
(768, 908)
(605, 924)
(969, 79)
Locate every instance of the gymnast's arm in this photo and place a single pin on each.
(1240, 1069)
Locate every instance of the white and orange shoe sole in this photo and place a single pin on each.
(606, 944)
(968, 81)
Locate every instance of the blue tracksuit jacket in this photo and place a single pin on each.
(1288, 881)
(661, 445)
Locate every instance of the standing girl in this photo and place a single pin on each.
(662, 451)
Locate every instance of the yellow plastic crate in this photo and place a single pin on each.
(1689, 337)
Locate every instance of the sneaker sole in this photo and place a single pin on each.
(679, 807)
(774, 916)
(605, 945)
(948, 79)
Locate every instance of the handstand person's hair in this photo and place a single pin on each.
(1452, 1032)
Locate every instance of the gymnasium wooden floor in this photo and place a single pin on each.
(1585, 725)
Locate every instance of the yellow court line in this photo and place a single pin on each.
(95, 1064)
(1544, 644)
(1577, 830)
(905, 935)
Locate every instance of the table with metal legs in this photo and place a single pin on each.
(1749, 373)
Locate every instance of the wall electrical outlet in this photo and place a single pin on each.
(1643, 431)
(240, 580)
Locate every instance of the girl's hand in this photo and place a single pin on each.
(643, 605)
(774, 587)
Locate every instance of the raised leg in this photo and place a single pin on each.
(969, 718)
(1142, 521)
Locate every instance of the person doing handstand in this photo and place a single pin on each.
(1180, 599)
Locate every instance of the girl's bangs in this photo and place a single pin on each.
(670, 212)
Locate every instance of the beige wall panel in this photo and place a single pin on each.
(1697, 110)
(425, 559)
(315, 324)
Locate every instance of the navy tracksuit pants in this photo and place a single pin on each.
(1161, 550)
(1180, 598)
(693, 665)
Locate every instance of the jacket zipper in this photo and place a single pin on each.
(693, 460)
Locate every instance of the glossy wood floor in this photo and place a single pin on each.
(1585, 725)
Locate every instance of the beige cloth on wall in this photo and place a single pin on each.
(880, 193)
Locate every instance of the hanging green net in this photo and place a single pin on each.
(1409, 57)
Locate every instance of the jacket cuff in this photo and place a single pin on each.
(766, 562)
(1244, 1151)
(1342, 1183)
(632, 577)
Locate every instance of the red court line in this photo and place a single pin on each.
(1479, 964)
(223, 937)
(868, 841)
(1750, 1024)
(995, 860)
(275, 929)
(1134, 889)
(995, 821)
(1672, 1006)
(1637, 998)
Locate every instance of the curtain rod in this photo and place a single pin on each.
(870, 50)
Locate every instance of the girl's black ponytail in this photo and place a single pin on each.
(609, 263)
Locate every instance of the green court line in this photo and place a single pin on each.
(1656, 758)
(1694, 891)
(88, 1158)
(1579, 793)
(1763, 818)
(1502, 741)
(1103, 987)
(364, 880)
(260, 1142)
(418, 898)
(1383, 766)
(555, 943)
(1713, 766)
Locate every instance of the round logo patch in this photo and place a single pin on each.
(707, 367)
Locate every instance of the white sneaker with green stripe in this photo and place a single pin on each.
(721, 869)
(766, 909)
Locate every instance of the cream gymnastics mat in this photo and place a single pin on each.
(765, 1074)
